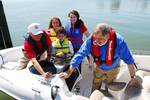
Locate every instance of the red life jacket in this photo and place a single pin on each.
(110, 50)
(34, 46)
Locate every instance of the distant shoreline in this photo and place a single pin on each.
(140, 52)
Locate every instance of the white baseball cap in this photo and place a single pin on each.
(35, 29)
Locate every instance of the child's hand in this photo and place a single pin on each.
(68, 55)
(61, 54)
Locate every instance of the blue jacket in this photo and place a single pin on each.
(121, 52)
(75, 37)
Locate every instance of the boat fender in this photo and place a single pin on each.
(54, 91)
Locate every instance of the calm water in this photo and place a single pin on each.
(131, 18)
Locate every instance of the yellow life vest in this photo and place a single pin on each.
(53, 35)
(64, 47)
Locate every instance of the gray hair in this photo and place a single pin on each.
(103, 27)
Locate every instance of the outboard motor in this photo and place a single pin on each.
(54, 91)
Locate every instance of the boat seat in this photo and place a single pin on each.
(10, 65)
(59, 67)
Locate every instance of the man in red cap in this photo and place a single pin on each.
(36, 45)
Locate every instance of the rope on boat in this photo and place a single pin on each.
(147, 70)
(135, 66)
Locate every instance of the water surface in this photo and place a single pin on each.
(131, 18)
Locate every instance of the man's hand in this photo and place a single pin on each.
(135, 82)
(64, 75)
(47, 75)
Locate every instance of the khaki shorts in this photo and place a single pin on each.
(100, 75)
(23, 61)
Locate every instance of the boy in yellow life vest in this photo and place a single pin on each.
(62, 49)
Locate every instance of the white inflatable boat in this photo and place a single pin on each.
(23, 85)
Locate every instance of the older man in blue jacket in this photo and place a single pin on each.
(108, 48)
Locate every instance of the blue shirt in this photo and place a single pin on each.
(121, 52)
